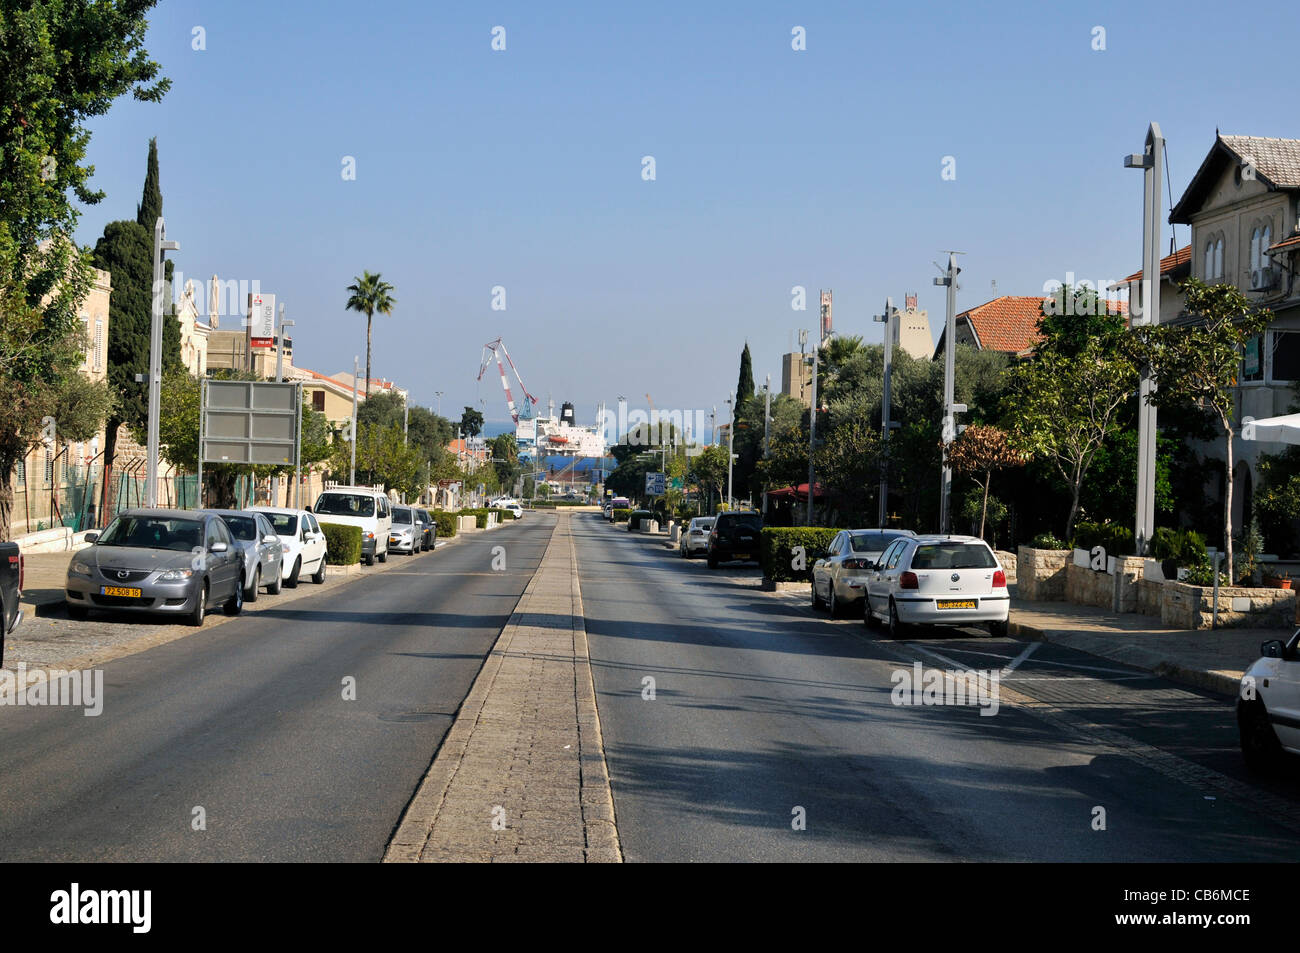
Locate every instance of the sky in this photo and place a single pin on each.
(524, 169)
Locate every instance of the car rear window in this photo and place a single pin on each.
(953, 556)
(284, 524)
(402, 515)
(872, 542)
(742, 521)
(345, 504)
(241, 527)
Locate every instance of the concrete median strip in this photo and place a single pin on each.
(521, 774)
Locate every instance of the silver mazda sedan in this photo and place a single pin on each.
(157, 560)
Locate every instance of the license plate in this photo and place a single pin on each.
(119, 591)
(955, 604)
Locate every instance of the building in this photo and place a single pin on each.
(912, 331)
(796, 377)
(1008, 323)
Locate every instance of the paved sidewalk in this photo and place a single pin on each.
(521, 775)
(1213, 660)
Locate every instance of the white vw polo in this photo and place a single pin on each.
(938, 580)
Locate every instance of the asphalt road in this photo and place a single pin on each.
(248, 721)
(765, 711)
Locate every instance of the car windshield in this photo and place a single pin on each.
(872, 542)
(284, 524)
(953, 556)
(242, 527)
(345, 504)
(151, 532)
(401, 514)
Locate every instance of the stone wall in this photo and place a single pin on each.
(1040, 574)
(1150, 595)
(1192, 607)
(1088, 587)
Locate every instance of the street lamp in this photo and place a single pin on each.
(731, 439)
(890, 319)
(438, 396)
(160, 245)
(950, 408)
(279, 376)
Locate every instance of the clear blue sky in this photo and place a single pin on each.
(775, 168)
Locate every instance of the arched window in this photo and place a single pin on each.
(1209, 260)
(1218, 258)
(1254, 251)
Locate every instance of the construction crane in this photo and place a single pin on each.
(496, 349)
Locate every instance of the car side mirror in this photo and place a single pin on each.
(1273, 648)
(270, 538)
(218, 547)
(91, 537)
(308, 509)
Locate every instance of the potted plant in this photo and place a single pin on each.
(1280, 581)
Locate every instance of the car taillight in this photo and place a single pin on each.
(908, 580)
(856, 563)
(999, 579)
(22, 569)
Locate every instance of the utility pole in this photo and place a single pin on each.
(731, 442)
(352, 471)
(950, 407)
(438, 396)
(1149, 161)
(160, 245)
(279, 376)
(889, 318)
(812, 436)
(767, 420)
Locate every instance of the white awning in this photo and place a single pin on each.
(1273, 429)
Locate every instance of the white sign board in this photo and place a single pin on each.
(261, 320)
(654, 484)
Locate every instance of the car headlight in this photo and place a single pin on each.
(175, 575)
(80, 568)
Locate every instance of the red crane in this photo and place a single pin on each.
(496, 349)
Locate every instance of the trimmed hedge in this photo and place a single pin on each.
(620, 515)
(446, 523)
(502, 514)
(342, 544)
(636, 517)
(1117, 540)
(776, 551)
(480, 515)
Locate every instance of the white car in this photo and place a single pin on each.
(1268, 705)
(301, 540)
(695, 537)
(839, 579)
(515, 509)
(938, 580)
(362, 506)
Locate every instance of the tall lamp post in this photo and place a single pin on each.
(1149, 161)
(160, 245)
(812, 436)
(731, 442)
(890, 319)
(950, 408)
(767, 420)
(352, 470)
(279, 376)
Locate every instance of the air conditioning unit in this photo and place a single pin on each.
(1262, 279)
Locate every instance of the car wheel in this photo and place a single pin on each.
(250, 594)
(77, 613)
(816, 599)
(1000, 630)
(383, 557)
(1259, 744)
(868, 617)
(292, 581)
(235, 604)
(713, 561)
(319, 575)
(835, 607)
(195, 617)
(273, 588)
(896, 628)
(368, 560)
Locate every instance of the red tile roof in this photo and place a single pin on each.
(1167, 264)
(1008, 323)
(1286, 244)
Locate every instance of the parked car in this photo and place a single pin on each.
(515, 509)
(695, 537)
(361, 506)
(734, 536)
(11, 590)
(177, 562)
(839, 579)
(260, 547)
(937, 580)
(302, 543)
(428, 528)
(406, 535)
(1268, 705)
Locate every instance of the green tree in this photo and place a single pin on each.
(367, 295)
(849, 464)
(505, 455)
(978, 452)
(745, 383)
(384, 409)
(1197, 364)
(471, 422)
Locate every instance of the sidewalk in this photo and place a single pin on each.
(1209, 659)
(521, 775)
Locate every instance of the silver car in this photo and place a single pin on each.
(177, 562)
(258, 544)
(839, 580)
(695, 536)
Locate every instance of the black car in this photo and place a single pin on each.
(735, 536)
(11, 590)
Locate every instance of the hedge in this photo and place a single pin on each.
(636, 517)
(1185, 547)
(446, 523)
(620, 515)
(1117, 540)
(480, 515)
(776, 551)
(342, 544)
(502, 514)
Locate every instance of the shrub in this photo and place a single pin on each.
(1047, 541)
(1185, 547)
(620, 515)
(502, 515)
(480, 515)
(446, 523)
(1202, 574)
(342, 544)
(777, 551)
(1117, 540)
(635, 517)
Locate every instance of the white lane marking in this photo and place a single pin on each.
(1054, 662)
(1015, 663)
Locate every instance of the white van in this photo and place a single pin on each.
(362, 506)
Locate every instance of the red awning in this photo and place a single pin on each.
(799, 492)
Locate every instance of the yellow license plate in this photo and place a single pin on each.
(119, 591)
(742, 555)
(955, 604)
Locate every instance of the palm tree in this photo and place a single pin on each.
(370, 293)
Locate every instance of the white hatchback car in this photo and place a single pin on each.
(695, 536)
(1268, 705)
(301, 540)
(938, 580)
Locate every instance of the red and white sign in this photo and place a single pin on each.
(261, 320)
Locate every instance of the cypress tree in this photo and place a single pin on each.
(745, 386)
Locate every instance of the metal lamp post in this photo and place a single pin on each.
(279, 376)
(950, 407)
(352, 469)
(160, 245)
(890, 318)
(731, 442)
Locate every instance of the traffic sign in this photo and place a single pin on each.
(654, 484)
